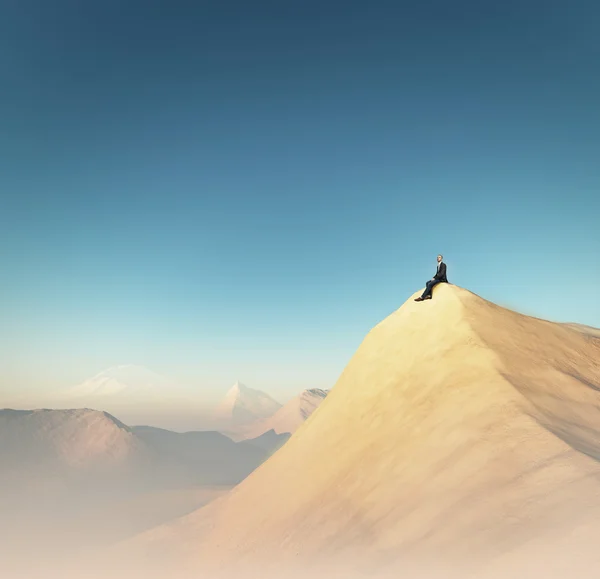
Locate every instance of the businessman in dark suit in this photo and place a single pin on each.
(439, 277)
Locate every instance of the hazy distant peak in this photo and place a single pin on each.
(131, 372)
(242, 404)
(288, 418)
(124, 379)
(238, 388)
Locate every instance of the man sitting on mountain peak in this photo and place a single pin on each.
(439, 277)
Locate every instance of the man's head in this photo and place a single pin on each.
(440, 257)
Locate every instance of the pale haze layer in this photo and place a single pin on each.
(240, 191)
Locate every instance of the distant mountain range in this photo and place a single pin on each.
(93, 448)
(81, 477)
(208, 458)
(136, 392)
(286, 418)
(73, 476)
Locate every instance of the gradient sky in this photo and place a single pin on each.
(241, 190)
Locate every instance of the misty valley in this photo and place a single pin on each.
(79, 479)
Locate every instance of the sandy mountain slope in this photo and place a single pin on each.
(288, 418)
(460, 435)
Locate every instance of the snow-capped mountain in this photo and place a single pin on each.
(123, 380)
(137, 395)
(243, 405)
(289, 417)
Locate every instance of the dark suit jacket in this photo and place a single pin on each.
(440, 274)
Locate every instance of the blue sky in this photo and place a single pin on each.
(241, 190)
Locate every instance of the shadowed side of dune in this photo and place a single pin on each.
(555, 368)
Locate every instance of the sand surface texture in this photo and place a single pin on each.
(461, 435)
